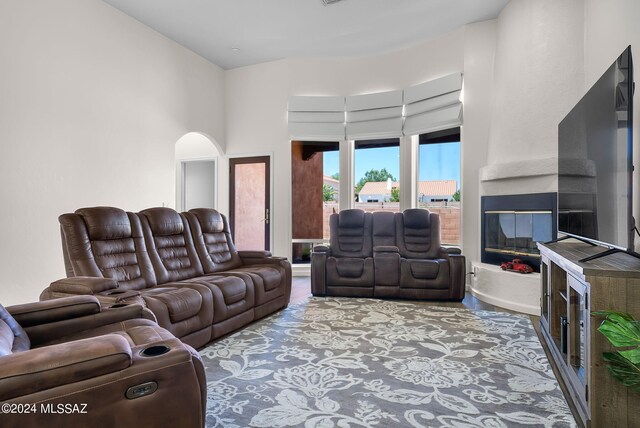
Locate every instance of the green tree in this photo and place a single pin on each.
(336, 176)
(374, 175)
(456, 196)
(395, 195)
(328, 193)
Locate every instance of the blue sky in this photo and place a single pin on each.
(437, 161)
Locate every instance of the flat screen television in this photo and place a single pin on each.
(595, 161)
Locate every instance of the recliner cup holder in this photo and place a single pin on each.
(154, 351)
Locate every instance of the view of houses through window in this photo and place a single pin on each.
(439, 180)
(376, 175)
(315, 185)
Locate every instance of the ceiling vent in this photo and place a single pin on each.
(330, 2)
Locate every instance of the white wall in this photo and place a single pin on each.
(92, 105)
(538, 77)
(257, 102)
(479, 53)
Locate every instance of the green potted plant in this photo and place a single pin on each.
(623, 332)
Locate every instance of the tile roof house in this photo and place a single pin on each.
(428, 191)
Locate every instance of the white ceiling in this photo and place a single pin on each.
(266, 30)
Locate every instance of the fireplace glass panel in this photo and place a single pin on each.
(516, 232)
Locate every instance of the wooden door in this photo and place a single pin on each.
(250, 202)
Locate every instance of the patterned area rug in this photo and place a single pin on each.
(332, 362)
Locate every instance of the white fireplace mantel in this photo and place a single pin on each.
(520, 177)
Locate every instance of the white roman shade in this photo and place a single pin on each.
(316, 118)
(433, 105)
(428, 107)
(374, 115)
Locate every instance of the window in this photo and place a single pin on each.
(439, 181)
(377, 174)
(315, 194)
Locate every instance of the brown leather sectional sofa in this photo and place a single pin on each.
(387, 255)
(69, 362)
(182, 266)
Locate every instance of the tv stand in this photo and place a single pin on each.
(608, 253)
(571, 292)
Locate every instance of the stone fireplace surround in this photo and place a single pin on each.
(488, 282)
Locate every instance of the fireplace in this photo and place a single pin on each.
(512, 224)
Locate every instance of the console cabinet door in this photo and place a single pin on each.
(578, 333)
(545, 296)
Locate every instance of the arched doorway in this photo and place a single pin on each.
(196, 156)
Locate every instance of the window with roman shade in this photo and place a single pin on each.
(316, 118)
(433, 105)
(427, 107)
(374, 116)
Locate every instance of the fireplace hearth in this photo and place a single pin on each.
(512, 224)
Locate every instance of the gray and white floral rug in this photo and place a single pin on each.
(334, 362)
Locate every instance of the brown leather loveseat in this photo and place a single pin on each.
(67, 362)
(387, 255)
(182, 266)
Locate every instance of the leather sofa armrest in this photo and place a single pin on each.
(386, 249)
(47, 332)
(254, 254)
(321, 249)
(450, 250)
(262, 257)
(30, 314)
(83, 285)
(35, 370)
(319, 272)
(386, 264)
(458, 274)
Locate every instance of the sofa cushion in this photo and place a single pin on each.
(424, 269)
(170, 245)
(13, 338)
(211, 221)
(106, 223)
(212, 238)
(233, 290)
(6, 339)
(272, 277)
(351, 218)
(350, 268)
(418, 234)
(416, 218)
(384, 228)
(106, 242)
(182, 303)
(164, 221)
(351, 234)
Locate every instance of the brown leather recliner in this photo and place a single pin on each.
(270, 276)
(107, 255)
(183, 267)
(408, 260)
(345, 268)
(67, 362)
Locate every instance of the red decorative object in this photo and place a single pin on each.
(516, 265)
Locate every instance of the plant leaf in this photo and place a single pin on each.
(623, 370)
(621, 331)
(632, 355)
(623, 315)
